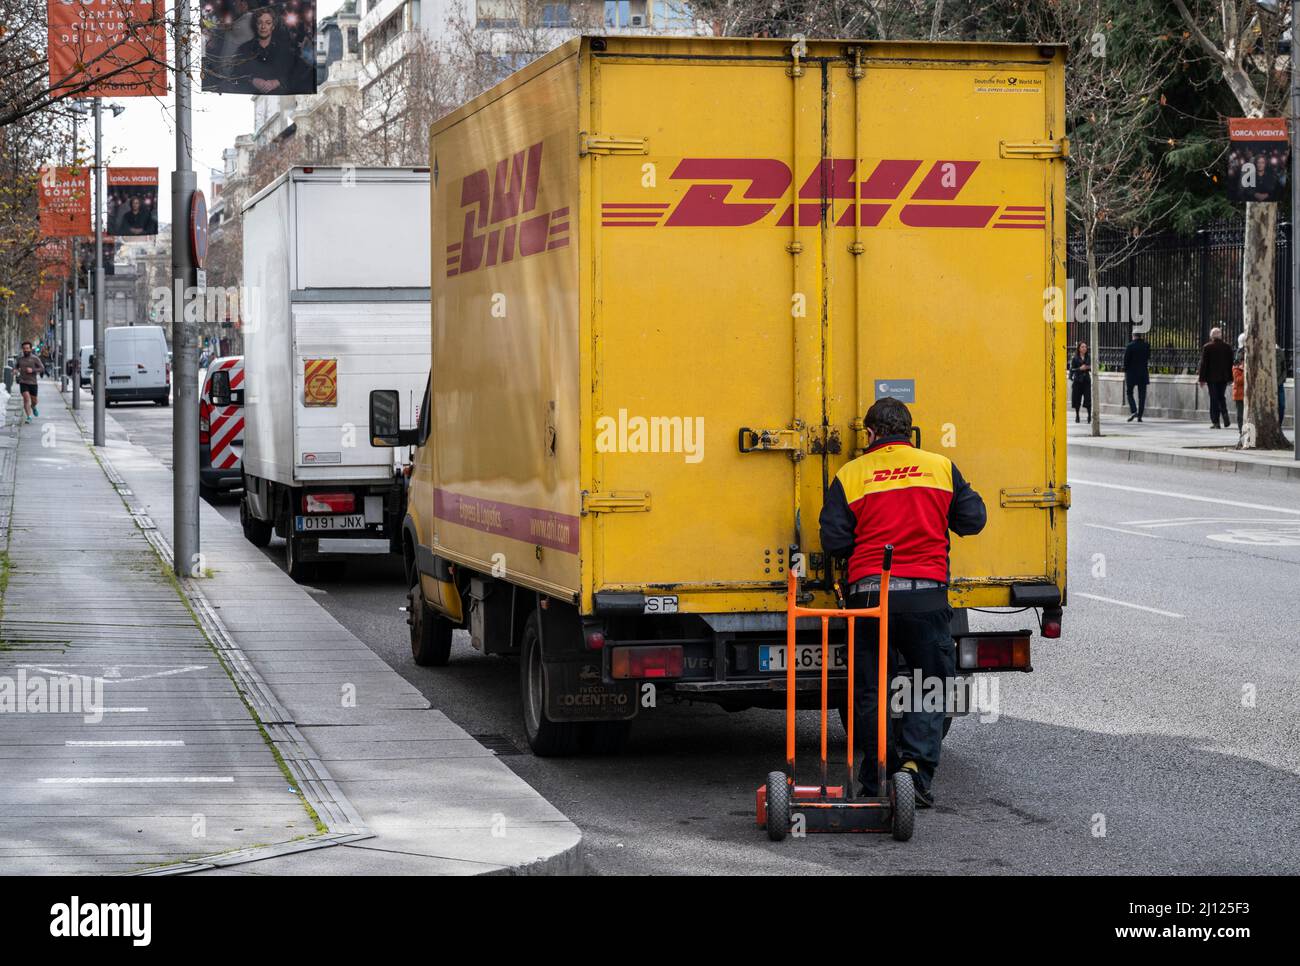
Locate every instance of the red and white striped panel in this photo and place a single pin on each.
(226, 423)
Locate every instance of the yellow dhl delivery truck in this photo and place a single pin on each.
(670, 275)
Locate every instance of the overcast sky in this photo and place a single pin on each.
(144, 135)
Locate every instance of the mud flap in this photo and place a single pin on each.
(576, 692)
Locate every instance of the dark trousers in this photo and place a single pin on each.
(1140, 407)
(918, 641)
(1081, 393)
(1219, 403)
(1241, 411)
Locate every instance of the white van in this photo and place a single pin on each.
(135, 364)
(86, 369)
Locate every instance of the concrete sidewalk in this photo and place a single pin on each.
(1179, 442)
(124, 744)
(368, 750)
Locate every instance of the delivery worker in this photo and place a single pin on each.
(897, 494)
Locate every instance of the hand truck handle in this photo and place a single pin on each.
(889, 558)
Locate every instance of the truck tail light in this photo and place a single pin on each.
(595, 637)
(646, 662)
(169, 373)
(994, 652)
(1051, 625)
(205, 429)
(328, 503)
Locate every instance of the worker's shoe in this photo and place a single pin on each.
(924, 797)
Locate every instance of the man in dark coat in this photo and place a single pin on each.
(1137, 356)
(1216, 374)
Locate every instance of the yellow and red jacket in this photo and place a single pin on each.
(895, 493)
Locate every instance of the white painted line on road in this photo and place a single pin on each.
(1186, 496)
(125, 744)
(1124, 603)
(1132, 533)
(142, 780)
(121, 710)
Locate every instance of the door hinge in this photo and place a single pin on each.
(610, 144)
(615, 501)
(791, 440)
(1035, 149)
(1042, 497)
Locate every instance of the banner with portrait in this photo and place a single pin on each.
(259, 46)
(1259, 159)
(132, 197)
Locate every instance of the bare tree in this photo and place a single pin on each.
(1241, 38)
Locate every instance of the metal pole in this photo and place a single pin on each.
(76, 349)
(1295, 220)
(185, 353)
(100, 381)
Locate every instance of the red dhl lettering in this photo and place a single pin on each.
(498, 223)
(737, 192)
(895, 473)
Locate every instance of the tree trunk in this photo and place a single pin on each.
(1094, 329)
(1259, 314)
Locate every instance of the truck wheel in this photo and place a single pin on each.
(778, 806)
(430, 631)
(903, 795)
(257, 532)
(604, 737)
(546, 738)
(294, 565)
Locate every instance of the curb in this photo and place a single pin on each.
(1221, 464)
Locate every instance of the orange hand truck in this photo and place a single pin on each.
(834, 808)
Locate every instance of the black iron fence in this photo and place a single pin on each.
(1188, 283)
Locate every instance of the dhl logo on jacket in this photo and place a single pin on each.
(897, 494)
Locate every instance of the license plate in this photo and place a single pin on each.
(350, 521)
(808, 657)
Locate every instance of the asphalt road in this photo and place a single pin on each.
(1160, 734)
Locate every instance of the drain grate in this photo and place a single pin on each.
(498, 744)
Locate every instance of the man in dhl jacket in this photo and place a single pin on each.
(897, 494)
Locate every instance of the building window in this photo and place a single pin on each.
(556, 15)
(497, 14)
(617, 13)
(673, 15)
(353, 45)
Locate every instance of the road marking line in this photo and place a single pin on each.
(125, 744)
(142, 780)
(1186, 496)
(1132, 533)
(1124, 603)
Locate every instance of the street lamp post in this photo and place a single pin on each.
(100, 382)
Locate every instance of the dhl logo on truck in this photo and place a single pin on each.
(495, 227)
(931, 204)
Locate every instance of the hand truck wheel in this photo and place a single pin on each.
(778, 806)
(903, 795)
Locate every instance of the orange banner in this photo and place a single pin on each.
(1257, 129)
(117, 48)
(65, 202)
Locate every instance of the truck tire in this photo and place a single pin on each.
(294, 565)
(546, 738)
(778, 806)
(257, 532)
(430, 631)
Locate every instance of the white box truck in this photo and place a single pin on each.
(336, 265)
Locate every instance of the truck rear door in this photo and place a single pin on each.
(814, 235)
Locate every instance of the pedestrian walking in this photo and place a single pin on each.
(897, 494)
(1239, 382)
(1215, 373)
(29, 367)
(1281, 383)
(1081, 380)
(1137, 375)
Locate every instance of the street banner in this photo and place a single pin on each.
(65, 202)
(254, 47)
(52, 257)
(107, 48)
(1259, 159)
(132, 195)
